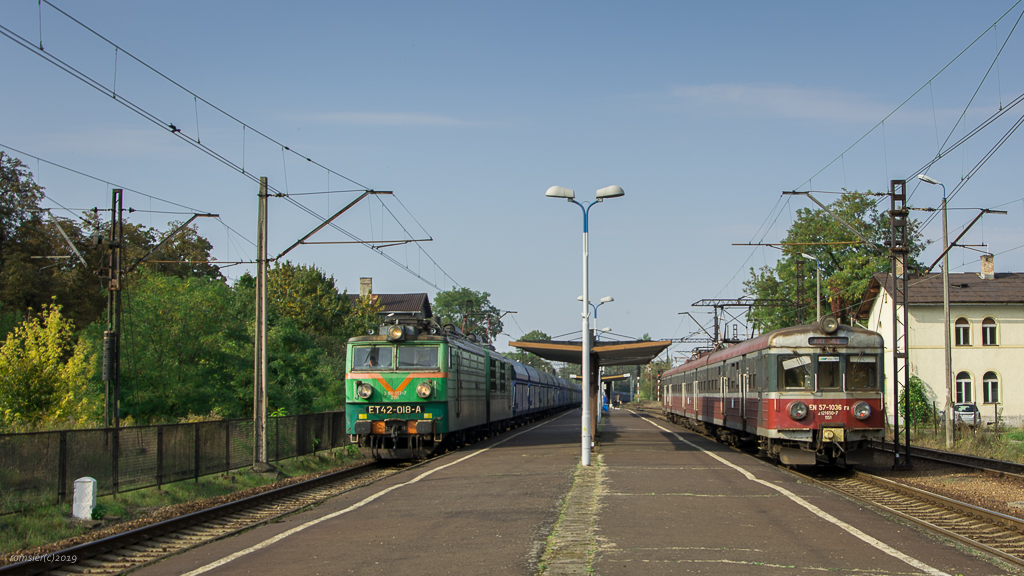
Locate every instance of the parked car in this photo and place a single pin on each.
(966, 414)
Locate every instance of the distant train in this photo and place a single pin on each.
(415, 389)
(806, 395)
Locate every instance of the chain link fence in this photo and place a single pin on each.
(40, 468)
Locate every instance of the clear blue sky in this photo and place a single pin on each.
(469, 111)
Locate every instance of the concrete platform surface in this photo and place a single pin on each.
(673, 502)
(657, 500)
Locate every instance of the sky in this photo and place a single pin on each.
(703, 112)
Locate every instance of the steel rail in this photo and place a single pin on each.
(133, 549)
(997, 534)
(987, 464)
(107, 549)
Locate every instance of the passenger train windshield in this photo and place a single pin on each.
(796, 372)
(829, 373)
(861, 373)
(372, 358)
(417, 357)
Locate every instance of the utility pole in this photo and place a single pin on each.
(112, 335)
(946, 245)
(259, 455)
(261, 364)
(899, 247)
(800, 291)
(947, 349)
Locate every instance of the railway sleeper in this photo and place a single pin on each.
(78, 569)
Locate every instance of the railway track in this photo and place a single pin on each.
(146, 545)
(988, 464)
(992, 532)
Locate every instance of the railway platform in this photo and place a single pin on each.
(657, 500)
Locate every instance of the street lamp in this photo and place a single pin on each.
(945, 312)
(603, 301)
(817, 269)
(607, 192)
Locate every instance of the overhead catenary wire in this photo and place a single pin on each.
(191, 93)
(941, 153)
(176, 130)
(111, 184)
(911, 97)
(368, 244)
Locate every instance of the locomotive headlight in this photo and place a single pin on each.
(423, 389)
(364, 390)
(798, 410)
(396, 333)
(861, 411)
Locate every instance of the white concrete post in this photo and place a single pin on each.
(85, 498)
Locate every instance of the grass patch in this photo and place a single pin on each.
(1004, 444)
(48, 524)
(1016, 434)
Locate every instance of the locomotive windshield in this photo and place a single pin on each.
(416, 357)
(371, 358)
(861, 373)
(796, 372)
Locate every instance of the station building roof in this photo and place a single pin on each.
(964, 288)
(405, 304)
(607, 353)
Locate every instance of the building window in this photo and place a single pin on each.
(962, 330)
(990, 388)
(963, 387)
(988, 332)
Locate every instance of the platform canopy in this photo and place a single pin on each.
(605, 353)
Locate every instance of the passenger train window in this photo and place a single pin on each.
(796, 372)
(417, 357)
(371, 358)
(861, 373)
(829, 376)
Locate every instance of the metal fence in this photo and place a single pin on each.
(40, 468)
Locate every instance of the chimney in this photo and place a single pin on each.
(365, 287)
(988, 267)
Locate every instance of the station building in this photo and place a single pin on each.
(987, 337)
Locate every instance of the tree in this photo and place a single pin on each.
(309, 324)
(650, 378)
(184, 254)
(37, 265)
(529, 358)
(46, 373)
(920, 404)
(184, 349)
(19, 198)
(307, 296)
(469, 310)
(847, 265)
(41, 268)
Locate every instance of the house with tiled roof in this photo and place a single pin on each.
(987, 336)
(407, 305)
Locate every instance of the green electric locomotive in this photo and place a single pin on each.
(414, 388)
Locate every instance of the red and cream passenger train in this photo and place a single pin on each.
(807, 394)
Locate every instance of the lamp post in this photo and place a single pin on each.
(948, 359)
(603, 301)
(600, 371)
(607, 192)
(817, 270)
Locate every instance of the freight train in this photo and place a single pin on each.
(415, 389)
(805, 395)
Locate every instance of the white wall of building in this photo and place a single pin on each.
(926, 335)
